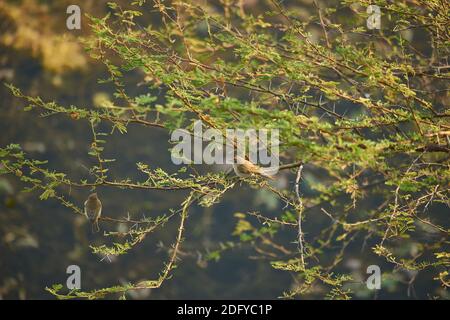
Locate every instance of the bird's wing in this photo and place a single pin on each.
(240, 170)
(252, 167)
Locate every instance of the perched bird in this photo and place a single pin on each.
(244, 168)
(93, 210)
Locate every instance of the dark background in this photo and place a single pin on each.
(39, 239)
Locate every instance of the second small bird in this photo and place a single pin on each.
(244, 168)
(93, 210)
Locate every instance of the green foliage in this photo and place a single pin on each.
(364, 109)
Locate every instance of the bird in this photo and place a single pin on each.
(244, 168)
(93, 210)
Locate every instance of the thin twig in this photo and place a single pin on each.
(300, 211)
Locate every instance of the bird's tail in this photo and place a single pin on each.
(94, 226)
(269, 172)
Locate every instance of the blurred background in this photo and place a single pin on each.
(39, 239)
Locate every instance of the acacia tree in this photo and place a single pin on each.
(366, 109)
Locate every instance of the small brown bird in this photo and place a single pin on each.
(245, 168)
(93, 210)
